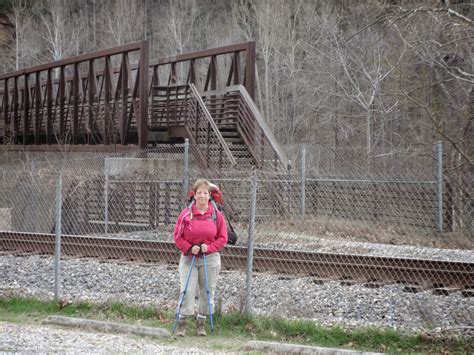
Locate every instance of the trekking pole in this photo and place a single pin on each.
(208, 295)
(181, 301)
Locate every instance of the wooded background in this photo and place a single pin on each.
(383, 78)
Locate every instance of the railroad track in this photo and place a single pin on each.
(349, 267)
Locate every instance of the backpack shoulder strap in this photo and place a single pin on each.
(229, 224)
(214, 213)
(190, 209)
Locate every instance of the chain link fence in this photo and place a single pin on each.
(332, 202)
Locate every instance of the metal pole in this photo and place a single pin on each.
(57, 247)
(288, 185)
(186, 168)
(142, 117)
(303, 180)
(248, 283)
(439, 178)
(106, 195)
(34, 218)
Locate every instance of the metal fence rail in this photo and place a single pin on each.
(141, 191)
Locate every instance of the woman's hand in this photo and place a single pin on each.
(196, 249)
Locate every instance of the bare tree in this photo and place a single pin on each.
(120, 22)
(443, 46)
(177, 32)
(365, 72)
(261, 16)
(6, 43)
(60, 28)
(187, 25)
(21, 18)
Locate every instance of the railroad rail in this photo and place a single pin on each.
(359, 268)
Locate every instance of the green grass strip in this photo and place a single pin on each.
(242, 326)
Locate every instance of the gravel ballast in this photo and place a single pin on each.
(292, 297)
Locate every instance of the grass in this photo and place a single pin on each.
(239, 328)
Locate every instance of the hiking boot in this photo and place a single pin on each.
(181, 327)
(200, 323)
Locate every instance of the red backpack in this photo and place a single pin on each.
(217, 201)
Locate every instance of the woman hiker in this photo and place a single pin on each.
(199, 231)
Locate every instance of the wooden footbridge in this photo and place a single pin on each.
(121, 98)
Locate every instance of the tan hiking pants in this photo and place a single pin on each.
(198, 280)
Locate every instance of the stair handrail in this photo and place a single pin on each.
(212, 123)
(261, 122)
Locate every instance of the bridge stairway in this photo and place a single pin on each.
(224, 109)
(170, 122)
(171, 112)
(238, 147)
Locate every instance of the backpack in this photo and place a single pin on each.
(217, 201)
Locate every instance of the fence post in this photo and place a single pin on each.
(57, 246)
(106, 195)
(33, 202)
(303, 181)
(186, 168)
(439, 179)
(288, 184)
(248, 283)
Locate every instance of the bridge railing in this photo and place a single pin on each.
(257, 134)
(209, 69)
(54, 103)
(233, 107)
(81, 99)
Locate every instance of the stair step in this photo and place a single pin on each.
(242, 155)
(229, 133)
(237, 142)
(241, 146)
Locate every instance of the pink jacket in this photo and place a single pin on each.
(200, 228)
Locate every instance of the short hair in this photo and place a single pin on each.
(201, 182)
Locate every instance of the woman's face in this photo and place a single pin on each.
(202, 196)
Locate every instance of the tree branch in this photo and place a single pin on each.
(439, 129)
(406, 13)
(448, 11)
